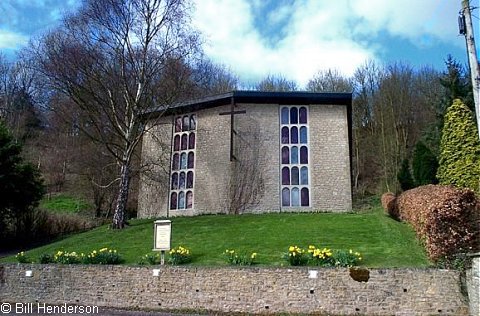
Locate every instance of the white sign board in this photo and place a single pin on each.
(163, 235)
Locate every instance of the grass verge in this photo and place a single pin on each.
(382, 241)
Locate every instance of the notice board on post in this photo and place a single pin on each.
(163, 235)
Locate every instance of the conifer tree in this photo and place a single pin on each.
(459, 161)
(424, 165)
(405, 176)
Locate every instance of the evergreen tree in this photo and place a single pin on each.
(404, 176)
(459, 161)
(21, 187)
(424, 165)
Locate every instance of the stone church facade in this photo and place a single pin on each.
(249, 151)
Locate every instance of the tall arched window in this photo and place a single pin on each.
(294, 147)
(183, 162)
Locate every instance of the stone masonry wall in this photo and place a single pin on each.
(473, 285)
(252, 290)
(330, 158)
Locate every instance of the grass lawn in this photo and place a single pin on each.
(382, 241)
(64, 204)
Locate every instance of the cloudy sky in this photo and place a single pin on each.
(294, 38)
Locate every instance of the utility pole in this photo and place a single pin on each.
(466, 28)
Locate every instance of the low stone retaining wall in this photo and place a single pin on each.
(252, 290)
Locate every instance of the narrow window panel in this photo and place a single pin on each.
(189, 199)
(303, 155)
(181, 200)
(183, 161)
(294, 135)
(191, 141)
(189, 180)
(285, 115)
(285, 155)
(285, 176)
(295, 176)
(193, 122)
(181, 184)
(285, 135)
(303, 135)
(303, 115)
(295, 197)
(174, 185)
(190, 160)
(305, 197)
(304, 176)
(185, 123)
(176, 143)
(178, 124)
(293, 115)
(184, 141)
(173, 201)
(285, 197)
(175, 161)
(294, 155)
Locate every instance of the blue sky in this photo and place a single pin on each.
(294, 38)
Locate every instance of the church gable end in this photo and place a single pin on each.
(249, 151)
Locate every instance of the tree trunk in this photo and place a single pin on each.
(120, 207)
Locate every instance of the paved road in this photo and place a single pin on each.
(101, 311)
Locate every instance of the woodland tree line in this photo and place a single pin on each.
(75, 96)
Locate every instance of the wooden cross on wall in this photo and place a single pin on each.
(232, 114)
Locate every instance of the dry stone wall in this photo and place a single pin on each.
(250, 290)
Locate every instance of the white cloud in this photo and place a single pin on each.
(306, 48)
(11, 40)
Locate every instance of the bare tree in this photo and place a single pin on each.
(247, 180)
(276, 83)
(329, 81)
(112, 59)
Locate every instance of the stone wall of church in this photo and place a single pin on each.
(257, 149)
(154, 178)
(330, 158)
(245, 290)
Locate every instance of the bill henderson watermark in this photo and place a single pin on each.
(43, 308)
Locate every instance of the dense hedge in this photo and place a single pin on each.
(444, 217)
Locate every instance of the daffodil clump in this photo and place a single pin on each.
(321, 257)
(22, 257)
(66, 257)
(348, 258)
(296, 256)
(102, 256)
(150, 258)
(235, 258)
(179, 255)
(324, 257)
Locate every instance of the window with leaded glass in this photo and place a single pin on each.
(182, 175)
(294, 151)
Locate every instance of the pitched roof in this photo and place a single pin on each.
(246, 97)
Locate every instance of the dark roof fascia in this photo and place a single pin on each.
(251, 97)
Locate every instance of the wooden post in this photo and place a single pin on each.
(472, 59)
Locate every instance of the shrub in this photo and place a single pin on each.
(346, 259)
(179, 255)
(235, 258)
(404, 176)
(46, 258)
(150, 258)
(22, 257)
(444, 217)
(296, 256)
(459, 161)
(388, 203)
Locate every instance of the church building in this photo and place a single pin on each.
(248, 152)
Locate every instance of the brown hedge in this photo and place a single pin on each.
(444, 217)
(388, 202)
